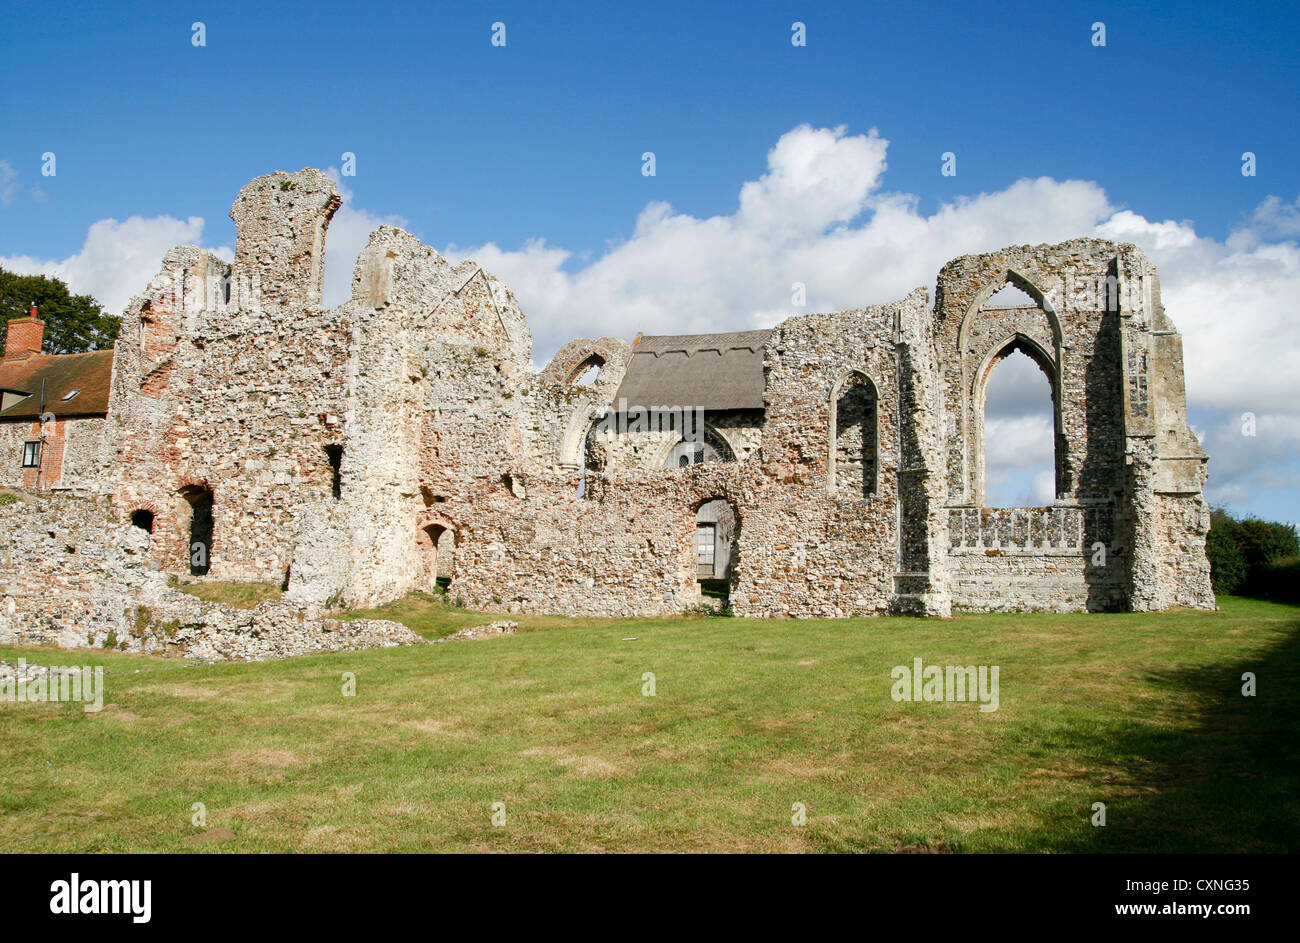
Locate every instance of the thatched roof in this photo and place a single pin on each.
(706, 371)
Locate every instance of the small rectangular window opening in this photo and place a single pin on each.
(335, 455)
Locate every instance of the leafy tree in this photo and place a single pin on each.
(1227, 562)
(73, 323)
(1262, 541)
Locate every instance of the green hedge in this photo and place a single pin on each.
(1250, 557)
(1278, 579)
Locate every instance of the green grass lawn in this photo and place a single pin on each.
(1142, 712)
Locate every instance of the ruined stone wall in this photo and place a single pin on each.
(83, 439)
(434, 421)
(623, 548)
(1165, 516)
(454, 457)
(72, 576)
(624, 544)
(1074, 334)
(802, 549)
(1025, 559)
(1127, 461)
(12, 437)
(536, 531)
(561, 411)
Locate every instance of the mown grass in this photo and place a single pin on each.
(1141, 712)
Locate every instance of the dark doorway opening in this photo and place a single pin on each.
(143, 519)
(200, 545)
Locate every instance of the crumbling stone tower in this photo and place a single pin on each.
(227, 387)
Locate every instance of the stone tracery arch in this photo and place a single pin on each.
(1014, 342)
(575, 434)
(974, 377)
(1011, 277)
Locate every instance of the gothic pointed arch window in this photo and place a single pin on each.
(853, 471)
(1017, 431)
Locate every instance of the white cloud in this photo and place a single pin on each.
(1020, 442)
(349, 232)
(118, 258)
(1274, 218)
(1233, 302)
(679, 273)
(815, 178)
(1019, 456)
(10, 187)
(1245, 468)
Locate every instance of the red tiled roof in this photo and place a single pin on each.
(62, 373)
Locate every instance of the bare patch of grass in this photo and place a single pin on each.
(239, 595)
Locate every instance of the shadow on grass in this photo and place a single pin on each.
(1228, 784)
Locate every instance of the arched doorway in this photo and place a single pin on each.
(437, 543)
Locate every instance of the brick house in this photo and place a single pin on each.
(52, 409)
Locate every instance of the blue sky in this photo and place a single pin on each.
(538, 144)
(473, 143)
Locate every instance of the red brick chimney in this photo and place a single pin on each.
(24, 337)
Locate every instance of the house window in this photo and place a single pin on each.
(685, 456)
(31, 455)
